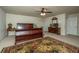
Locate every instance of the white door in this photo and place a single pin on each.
(72, 25)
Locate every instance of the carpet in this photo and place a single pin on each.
(42, 45)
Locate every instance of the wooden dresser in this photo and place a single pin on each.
(54, 30)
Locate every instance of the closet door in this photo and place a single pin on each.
(72, 25)
(78, 25)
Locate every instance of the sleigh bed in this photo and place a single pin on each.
(26, 31)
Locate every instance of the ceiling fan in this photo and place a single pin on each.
(44, 11)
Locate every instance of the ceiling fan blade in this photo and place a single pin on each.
(48, 12)
(37, 11)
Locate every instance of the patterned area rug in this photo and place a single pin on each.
(43, 45)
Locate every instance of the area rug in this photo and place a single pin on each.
(42, 45)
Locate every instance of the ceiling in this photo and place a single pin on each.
(31, 10)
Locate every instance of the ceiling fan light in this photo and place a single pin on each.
(43, 14)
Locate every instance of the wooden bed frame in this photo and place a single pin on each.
(25, 31)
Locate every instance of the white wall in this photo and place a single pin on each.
(13, 18)
(61, 21)
(2, 24)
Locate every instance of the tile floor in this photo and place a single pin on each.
(7, 41)
(70, 39)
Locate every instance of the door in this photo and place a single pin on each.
(72, 25)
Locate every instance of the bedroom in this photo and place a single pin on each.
(67, 18)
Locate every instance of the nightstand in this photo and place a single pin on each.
(11, 33)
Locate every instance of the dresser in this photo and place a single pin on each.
(54, 30)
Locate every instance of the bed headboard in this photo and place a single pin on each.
(24, 26)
